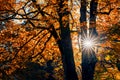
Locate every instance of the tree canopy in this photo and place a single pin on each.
(41, 39)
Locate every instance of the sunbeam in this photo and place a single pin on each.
(89, 42)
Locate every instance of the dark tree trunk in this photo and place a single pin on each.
(65, 47)
(67, 55)
(65, 44)
(93, 11)
(88, 57)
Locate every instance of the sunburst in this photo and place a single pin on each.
(89, 42)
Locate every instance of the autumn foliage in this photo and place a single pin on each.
(30, 32)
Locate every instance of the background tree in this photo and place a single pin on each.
(88, 54)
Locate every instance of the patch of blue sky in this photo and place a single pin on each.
(18, 21)
(17, 1)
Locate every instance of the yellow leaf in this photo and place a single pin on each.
(107, 57)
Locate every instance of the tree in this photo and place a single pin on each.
(88, 56)
(65, 44)
(37, 35)
(39, 22)
(103, 11)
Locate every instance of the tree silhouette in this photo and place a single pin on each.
(88, 56)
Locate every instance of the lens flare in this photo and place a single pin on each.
(89, 42)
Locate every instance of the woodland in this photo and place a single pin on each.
(59, 39)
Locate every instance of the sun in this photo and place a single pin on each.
(89, 42)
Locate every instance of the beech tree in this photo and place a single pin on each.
(89, 59)
(43, 17)
(88, 55)
(40, 39)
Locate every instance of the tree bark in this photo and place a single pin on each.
(67, 54)
(88, 58)
(65, 44)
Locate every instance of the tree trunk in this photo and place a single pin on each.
(64, 43)
(67, 55)
(65, 46)
(88, 57)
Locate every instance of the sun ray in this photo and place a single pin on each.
(89, 42)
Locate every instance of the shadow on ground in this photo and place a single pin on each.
(35, 71)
